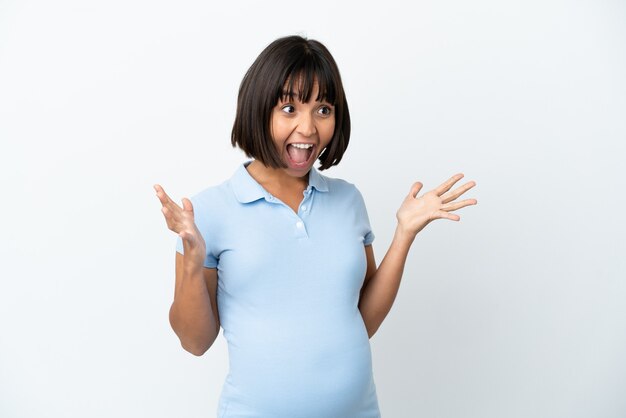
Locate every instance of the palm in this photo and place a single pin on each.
(181, 221)
(417, 212)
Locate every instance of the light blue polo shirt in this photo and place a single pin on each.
(287, 296)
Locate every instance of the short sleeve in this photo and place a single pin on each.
(202, 219)
(363, 219)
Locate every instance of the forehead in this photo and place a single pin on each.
(295, 92)
(304, 89)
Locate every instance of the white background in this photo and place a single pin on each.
(518, 310)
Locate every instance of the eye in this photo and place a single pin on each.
(325, 110)
(288, 109)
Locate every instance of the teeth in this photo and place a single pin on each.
(302, 146)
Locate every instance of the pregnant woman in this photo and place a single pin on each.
(280, 256)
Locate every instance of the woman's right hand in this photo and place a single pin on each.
(181, 221)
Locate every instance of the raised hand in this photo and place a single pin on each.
(417, 212)
(181, 221)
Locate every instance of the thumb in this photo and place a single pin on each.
(415, 189)
(187, 205)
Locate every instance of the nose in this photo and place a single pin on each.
(306, 125)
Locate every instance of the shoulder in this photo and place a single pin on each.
(344, 195)
(342, 187)
(212, 202)
(337, 184)
(211, 193)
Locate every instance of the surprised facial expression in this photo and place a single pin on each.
(301, 131)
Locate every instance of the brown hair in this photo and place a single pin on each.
(285, 61)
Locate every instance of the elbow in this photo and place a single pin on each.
(192, 342)
(371, 329)
(371, 326)
(370, 333)
(195, 350)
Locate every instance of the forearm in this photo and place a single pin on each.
(381, 290)
(191, 313)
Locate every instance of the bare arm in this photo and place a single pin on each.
(193, 314)
(381, 284)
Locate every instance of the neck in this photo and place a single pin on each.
(276, 177)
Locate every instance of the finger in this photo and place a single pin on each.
(444, 187)
(452, 195)
(168, 217)
(173, 214)
(451, 216)
(415, 189)
(187, 205)
(163, 197)
(167, 202)
(458, 205)
(159, 190)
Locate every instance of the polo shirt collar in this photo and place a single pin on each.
(247, 189)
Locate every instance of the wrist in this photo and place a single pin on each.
(193, 263)
(403, 235)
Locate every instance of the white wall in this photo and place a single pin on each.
(515, 311)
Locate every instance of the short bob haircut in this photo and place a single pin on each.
(288, 60)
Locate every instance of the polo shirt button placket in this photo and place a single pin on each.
(301, 230)
(307, 198)
(302, 213)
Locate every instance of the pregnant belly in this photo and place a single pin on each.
(325, 372)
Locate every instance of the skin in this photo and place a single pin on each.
(295, 122)
(194, 316)
(381, 284)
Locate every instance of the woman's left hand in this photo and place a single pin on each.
(417, 212)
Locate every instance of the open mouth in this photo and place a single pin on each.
(300, 154)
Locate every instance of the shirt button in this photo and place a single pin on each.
(299, 224)
(303, 207)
